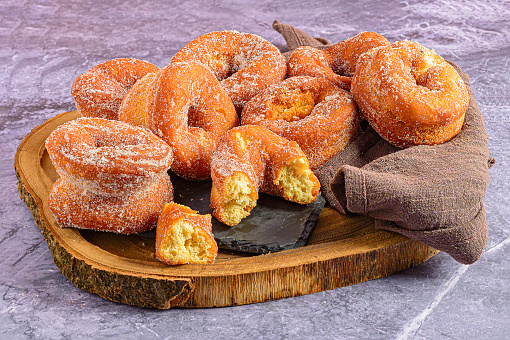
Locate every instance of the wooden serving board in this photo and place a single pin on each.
(342, 250)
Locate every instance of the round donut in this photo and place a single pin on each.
(74, 207)
(335, 63)
(321, 117)
(190, 111)
(107, 157)
(99, 91)
(252, 158)
(409, 94)
(244, 63)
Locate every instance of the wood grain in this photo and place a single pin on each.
(342, 250)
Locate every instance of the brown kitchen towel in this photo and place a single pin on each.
(432, 194)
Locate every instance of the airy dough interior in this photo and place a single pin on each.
(240, 199)
(292, 105)
(186, 244)
(296, 181)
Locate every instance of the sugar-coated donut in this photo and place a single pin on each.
(75, 207)
(244, 63)
(190, 111)
(99, 91)
(335, 63)
(321, 117)
(107, 157)
(409, 94)
(252, 158)
(183, 236)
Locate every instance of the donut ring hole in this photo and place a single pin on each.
(226, 65)
(206, 120)
(220, 64)
(340, 67)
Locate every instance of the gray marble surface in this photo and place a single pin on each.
(45, 45)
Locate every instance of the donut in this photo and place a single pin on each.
(321, 117)
(190, 111)
(107, 157)
(252, 158)
(335, 63)
(74, 207)
(409, 94)
(183, 236)
(99, 91)
(244, 63)
(134, 106)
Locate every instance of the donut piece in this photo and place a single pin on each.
(99, 91)
(183, 236)
(244, 63)
(321, 117)
(134, 106)
(252, 158)
(108, 157)
(75, 207)
(409, 94)
(335, 63)
(190, 111)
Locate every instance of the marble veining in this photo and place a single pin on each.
(45, 45)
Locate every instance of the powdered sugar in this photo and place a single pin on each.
(328, 121)
(244, 63)
(108, 157)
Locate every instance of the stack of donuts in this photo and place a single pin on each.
(230, 108)
(113, 176)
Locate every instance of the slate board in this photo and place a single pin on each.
(273, 225)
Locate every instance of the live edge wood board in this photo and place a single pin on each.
(341, 251)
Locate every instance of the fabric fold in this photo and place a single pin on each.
(432, 194)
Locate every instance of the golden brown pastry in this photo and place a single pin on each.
(100, 91)
(321, 117)
(107, 157)
(252, 158)
(190, 111)
(75, 207)
(183, 236)
(113, 176)
(134, 106)
(409, 94)
(244, 63)
(335, 63)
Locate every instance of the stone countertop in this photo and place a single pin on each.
(45, 45)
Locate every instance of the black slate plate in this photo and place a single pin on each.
(273, 225)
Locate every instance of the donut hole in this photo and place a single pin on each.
(219, 64)
(203, 118)
(233, 67)
(196, 117)
(340, 67)
(224, 66)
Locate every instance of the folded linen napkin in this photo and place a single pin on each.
(432, 194)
